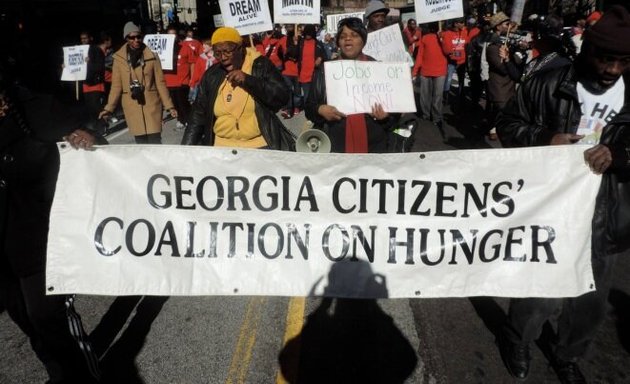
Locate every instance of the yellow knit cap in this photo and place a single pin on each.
(226, 35)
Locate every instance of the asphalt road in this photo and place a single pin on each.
(253, 339)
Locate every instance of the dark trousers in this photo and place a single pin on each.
(294, 99)
(179, 96)
(94, 103)
(579, 316)
(53, 327)
(152, 138)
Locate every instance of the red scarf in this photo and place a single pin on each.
(356, 129)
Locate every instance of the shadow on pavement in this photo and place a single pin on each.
(621, 303)
(349, 340)
(118, 359)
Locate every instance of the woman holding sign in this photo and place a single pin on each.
(358, 133)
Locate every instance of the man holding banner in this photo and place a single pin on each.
(585, 102)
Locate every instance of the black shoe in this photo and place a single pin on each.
(515, 357)
(568, 372)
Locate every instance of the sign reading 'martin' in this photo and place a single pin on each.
(296, 11)
(247, 16)
(187, 220)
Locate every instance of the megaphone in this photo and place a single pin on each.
(313, 141)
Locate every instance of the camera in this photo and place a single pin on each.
(136, 89)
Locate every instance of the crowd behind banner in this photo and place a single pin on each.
(235, 90)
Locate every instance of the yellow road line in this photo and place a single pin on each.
(246, 340)
(295, 321)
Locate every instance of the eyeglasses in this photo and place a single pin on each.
(134, 37)
(226, 52)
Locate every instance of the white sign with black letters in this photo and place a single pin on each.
(387, 45)
(296, 11)
(435, 10)
(333, 20)
(355, 86)
(164, 46)
(75, 63)
(247, 16)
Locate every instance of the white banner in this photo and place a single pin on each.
(247, 16)
(333, 20)
(355, 86)
(387, 45)
(164, 46)
(190, 220)
(435, 10)
(75, 63)
(296, 11)
(218, 20)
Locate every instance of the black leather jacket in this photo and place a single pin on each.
(267, 88)
(548, 104)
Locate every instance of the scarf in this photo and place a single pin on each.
(356, 128)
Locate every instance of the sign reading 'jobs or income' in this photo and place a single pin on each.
(356, 86)
(247, 16)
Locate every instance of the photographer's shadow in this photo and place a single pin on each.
(349, 340)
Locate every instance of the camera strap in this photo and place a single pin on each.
(131, 69)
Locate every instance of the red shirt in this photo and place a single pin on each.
(454, 45)
(413, 38)
(195, 46)
(430, 61)
(181, 76)
(272, 44)
(308, 61)
(201, 65)
(290, 66)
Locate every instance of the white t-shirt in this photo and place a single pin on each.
(598, 110)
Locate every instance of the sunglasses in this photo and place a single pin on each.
(134, 37)
(226, 52)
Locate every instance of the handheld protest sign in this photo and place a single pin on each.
(164, 46)
(387, 45)
(355, 86)
(428, 11)
(75, 63)
(296, 11)
(247, 17)
(333, 20)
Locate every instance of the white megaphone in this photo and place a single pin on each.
(313, 141)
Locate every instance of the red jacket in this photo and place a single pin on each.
(454, 45)
(410, 38)
(430, 61)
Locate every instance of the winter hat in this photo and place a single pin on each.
(129, 28)
(375, 6)
(608, 33)
(497, 19)
(226, 35)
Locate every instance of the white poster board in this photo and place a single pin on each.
(193, 220)
(387, 45)
(296, 11)
(164, 46)
(435, 10)
(75, 63)
(355, 86)
(333, 20)
(247, 16)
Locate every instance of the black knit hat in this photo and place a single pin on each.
(611, 32)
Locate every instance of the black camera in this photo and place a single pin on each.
(136, 89)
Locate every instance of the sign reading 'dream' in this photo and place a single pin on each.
(220, 221)
(333, 20)
(247, 16)
(74, 63)
(435, 10)
(355, 86)
(296, 11)
(163, 45)
(387, 45)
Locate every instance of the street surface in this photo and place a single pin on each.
(252, 339)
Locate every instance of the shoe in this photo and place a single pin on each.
(179, 127)
(568, 372)
(515, 357)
